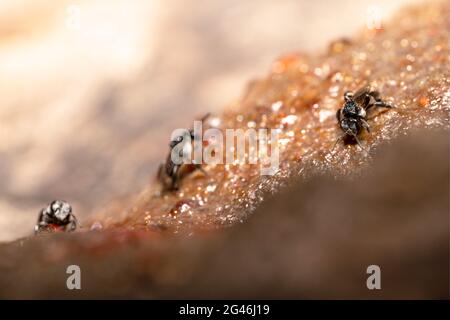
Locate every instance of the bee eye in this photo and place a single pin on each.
(55, 206)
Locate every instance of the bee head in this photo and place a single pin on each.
(61, 209)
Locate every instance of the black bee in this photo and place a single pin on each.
(56, 216)
(169, 174)
(352, 117)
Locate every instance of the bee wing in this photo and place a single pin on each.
(360, 95)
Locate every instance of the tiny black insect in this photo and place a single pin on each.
(169, 173)
(56, 216)
(352, 117)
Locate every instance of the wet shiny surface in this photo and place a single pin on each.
(407, 62)
(114, 85)
(316, 239)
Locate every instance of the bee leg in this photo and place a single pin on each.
(337, 140)
(359, 144)
(379, 104)
(41, 223)
(338, 115)
(375, 94)
(365, 125)
(200, 167)
(162, 178)
(348, 95)
(72, 225)
(382, 104)
(159, 174)
(174, 183)
(206, 116)
(40, 227)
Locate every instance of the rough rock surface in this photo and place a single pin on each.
(341, 209)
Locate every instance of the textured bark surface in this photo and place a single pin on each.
(312, 229)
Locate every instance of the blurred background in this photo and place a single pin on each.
(91, 90)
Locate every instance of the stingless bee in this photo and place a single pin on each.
(352, 117)
(169, 173)
(56, 216)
